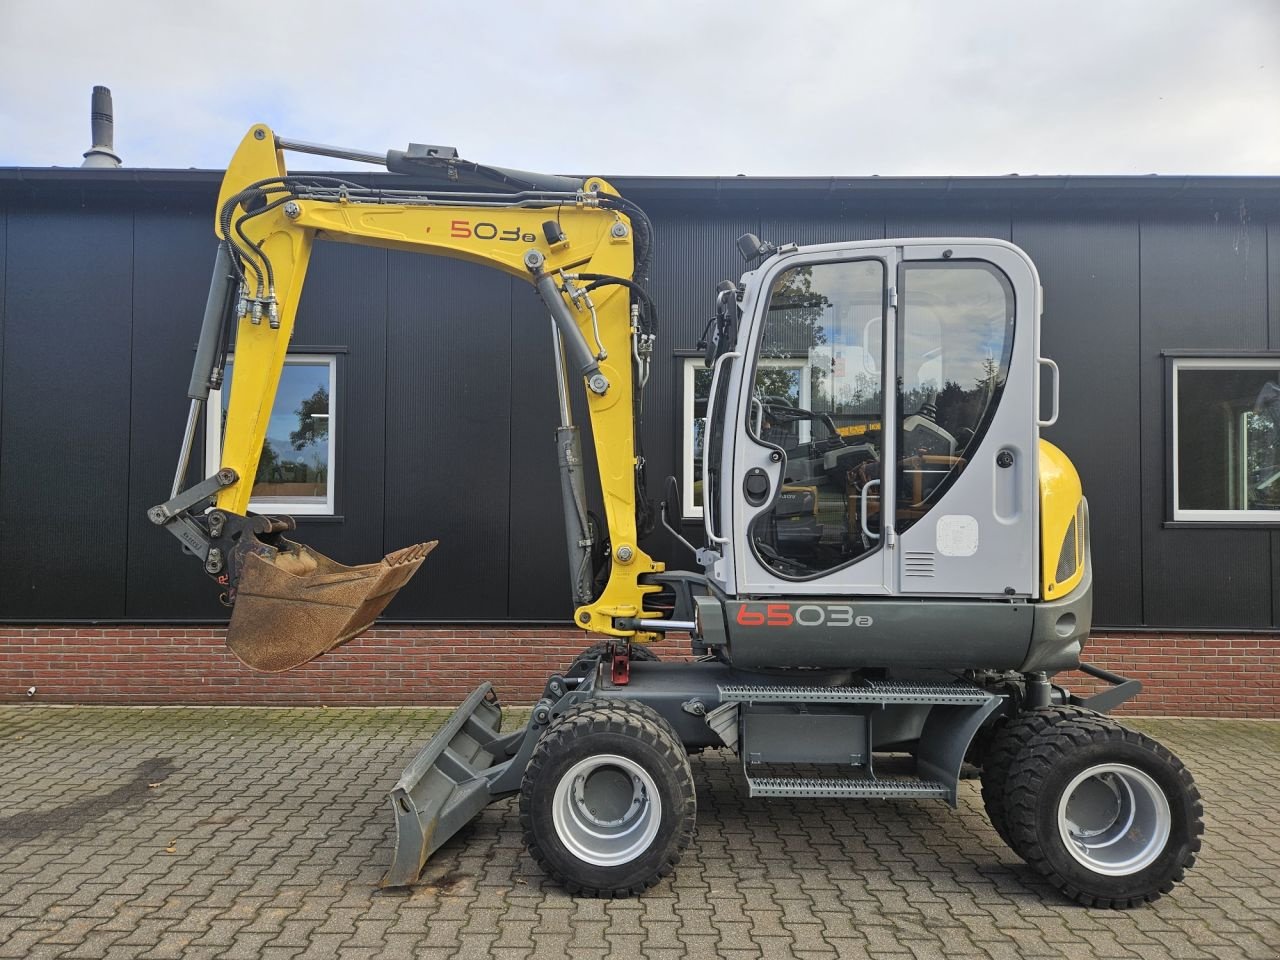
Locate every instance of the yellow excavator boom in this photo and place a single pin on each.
(574, 240)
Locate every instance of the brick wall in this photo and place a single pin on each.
(1190, 675)
(1186, 675)
(419, 666)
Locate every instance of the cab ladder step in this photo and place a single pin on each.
(864, 788)
(875, 692)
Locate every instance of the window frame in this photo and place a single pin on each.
(213, 441)
(689, 367)
(688, 378)
(1175, 362)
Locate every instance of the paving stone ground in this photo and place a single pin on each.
(252, 833)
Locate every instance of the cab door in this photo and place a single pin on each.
(966, 504)
(811, 422)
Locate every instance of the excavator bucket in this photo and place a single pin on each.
(293, 604)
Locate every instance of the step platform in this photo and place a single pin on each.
(873, 693)
(847, 788)
(824, 726)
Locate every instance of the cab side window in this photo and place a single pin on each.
(818, 396)
(955, 341)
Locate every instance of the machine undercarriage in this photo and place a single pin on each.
(834, 734)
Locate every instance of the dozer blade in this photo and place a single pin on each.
(293, 604)
(447, 784)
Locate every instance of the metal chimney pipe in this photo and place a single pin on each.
(102, 153)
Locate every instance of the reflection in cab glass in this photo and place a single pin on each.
(956, 337)
(818, 395)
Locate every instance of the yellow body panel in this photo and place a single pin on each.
(1061, 518)
(492, 236)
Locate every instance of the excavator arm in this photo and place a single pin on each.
(574, 240)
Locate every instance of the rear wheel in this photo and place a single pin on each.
(607, 803)
(1003, 747)
(1106, 814)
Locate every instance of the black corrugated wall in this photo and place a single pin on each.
(446, 405)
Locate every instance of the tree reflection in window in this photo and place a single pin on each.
(956, 343)
(817, 394)
(296, 462)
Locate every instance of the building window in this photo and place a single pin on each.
(697, 384)
(1226, 439)
(296, 472)
(788, 381)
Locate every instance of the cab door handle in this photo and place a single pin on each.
(866, 489)
(755, 487)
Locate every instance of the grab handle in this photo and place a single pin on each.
(866, 489)
(1046, 362)
(708, 508)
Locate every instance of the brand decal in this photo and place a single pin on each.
(482, 230)
(800, 615)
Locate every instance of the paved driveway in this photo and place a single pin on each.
(241, 833)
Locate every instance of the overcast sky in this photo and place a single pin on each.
(767, 88)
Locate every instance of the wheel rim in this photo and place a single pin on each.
(606, 810)
(1114, 819)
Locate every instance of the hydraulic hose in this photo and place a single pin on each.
(596, 280)
(644, 255)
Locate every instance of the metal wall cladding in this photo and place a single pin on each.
(1203, 286)
(64, 470)
(448, 434)
(446, 399)
(4, 262)
(953, 219)
(173, 254)
(1089, 272)
(1273, 343)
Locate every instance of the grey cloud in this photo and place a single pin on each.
(819, 88)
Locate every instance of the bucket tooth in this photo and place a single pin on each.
(295, 604)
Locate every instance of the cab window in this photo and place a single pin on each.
(955, 342)
(818, 396)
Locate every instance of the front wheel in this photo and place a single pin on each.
(607, 803)
(1106, 814)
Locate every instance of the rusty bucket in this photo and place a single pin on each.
(294, 605)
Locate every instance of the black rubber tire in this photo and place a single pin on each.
(617, 705)
(1043, 769)
(636, 732)
(1003, 747)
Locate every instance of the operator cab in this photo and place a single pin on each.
(859, 369)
